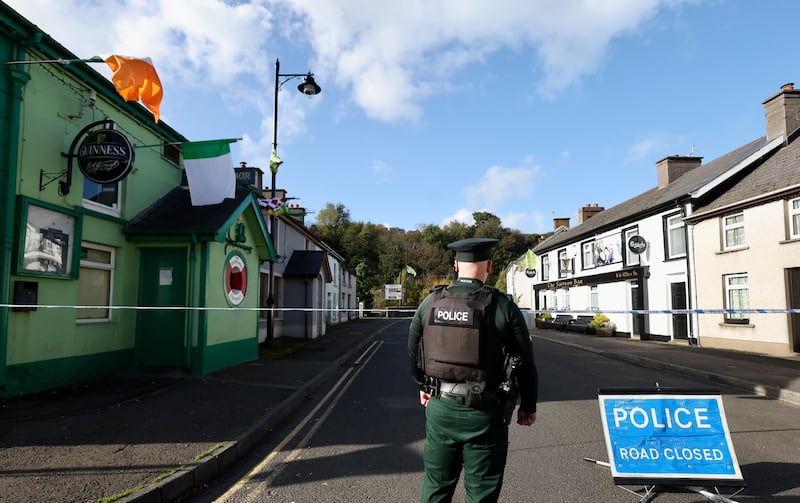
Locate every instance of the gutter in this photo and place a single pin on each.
(9, 159)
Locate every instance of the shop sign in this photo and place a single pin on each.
(105, 156)
(394, 292)
(637, 244)
(235, 278)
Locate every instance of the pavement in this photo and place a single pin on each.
(160, 436)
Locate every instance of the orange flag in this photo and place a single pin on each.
(136, 80)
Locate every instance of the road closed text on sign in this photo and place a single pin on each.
(664, 437)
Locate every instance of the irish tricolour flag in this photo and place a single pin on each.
(209, 170)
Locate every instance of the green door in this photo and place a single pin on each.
(162, 333)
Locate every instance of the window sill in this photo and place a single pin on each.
(731, 250)
(737, 325)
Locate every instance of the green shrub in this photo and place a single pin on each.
(599, 321)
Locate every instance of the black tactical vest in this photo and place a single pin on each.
(455, 345)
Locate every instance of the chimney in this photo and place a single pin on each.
(673, 167)
(782, 112)
(297, 213)
(560, 222)
(279, 193)
(588, 212)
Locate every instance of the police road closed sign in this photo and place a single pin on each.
(668, 437)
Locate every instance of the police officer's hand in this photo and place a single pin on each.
(423, 398)
(525, 418)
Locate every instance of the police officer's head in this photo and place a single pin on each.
(473, 257)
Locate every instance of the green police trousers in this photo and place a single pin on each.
(458, 436)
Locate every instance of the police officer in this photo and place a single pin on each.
(456, 346)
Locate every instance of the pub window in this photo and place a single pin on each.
(794, 218)
(102, 197)
(562, 264)
(95, 283)
(631, 256)
(733, 231)
(737, 296)
(675, 236)
(50, 236)
(545, 267)
(595, 303)
(587, 254)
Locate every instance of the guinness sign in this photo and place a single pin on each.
(105, 156)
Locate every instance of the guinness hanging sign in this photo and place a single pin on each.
(105, 156)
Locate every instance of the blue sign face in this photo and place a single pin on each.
(664, 436)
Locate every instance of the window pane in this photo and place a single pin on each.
(93, 290)
(99, 256)
(677, 242)
(734, 237)
(105, 194)
(738, 295)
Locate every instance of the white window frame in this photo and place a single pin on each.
(674, 224)
(594, 301)
(113, 210)
(630, 257)
(733, 231)
(102, 266)
(588, 255)
(730, 289)
(545, 267)
(794, 218)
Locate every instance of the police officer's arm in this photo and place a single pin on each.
(520, 342)
(414, 341)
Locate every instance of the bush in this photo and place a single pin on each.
(599, 321)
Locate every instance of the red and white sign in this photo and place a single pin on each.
(235, 279)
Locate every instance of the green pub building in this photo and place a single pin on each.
(105, 265)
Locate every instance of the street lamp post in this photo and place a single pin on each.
(309, 88)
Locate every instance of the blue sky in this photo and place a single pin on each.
(431, 110)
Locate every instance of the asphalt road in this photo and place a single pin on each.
(360, 438)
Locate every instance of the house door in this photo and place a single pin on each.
(680, 327)
(793, 283)
(637, 303)
(162, 333)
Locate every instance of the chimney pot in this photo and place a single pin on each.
(789, 86)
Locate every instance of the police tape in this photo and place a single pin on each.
(669, 311)
(29, 307)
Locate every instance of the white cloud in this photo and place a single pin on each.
(463, 216)
(390, 56)
(381, 171)
(643, 149)
(500, 185)
(526, 222)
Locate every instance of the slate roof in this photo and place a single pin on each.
(305, 264)
(778, 174)
(173, 214)
(655, 199)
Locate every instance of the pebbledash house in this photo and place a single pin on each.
(107, 270)
(711, 255)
